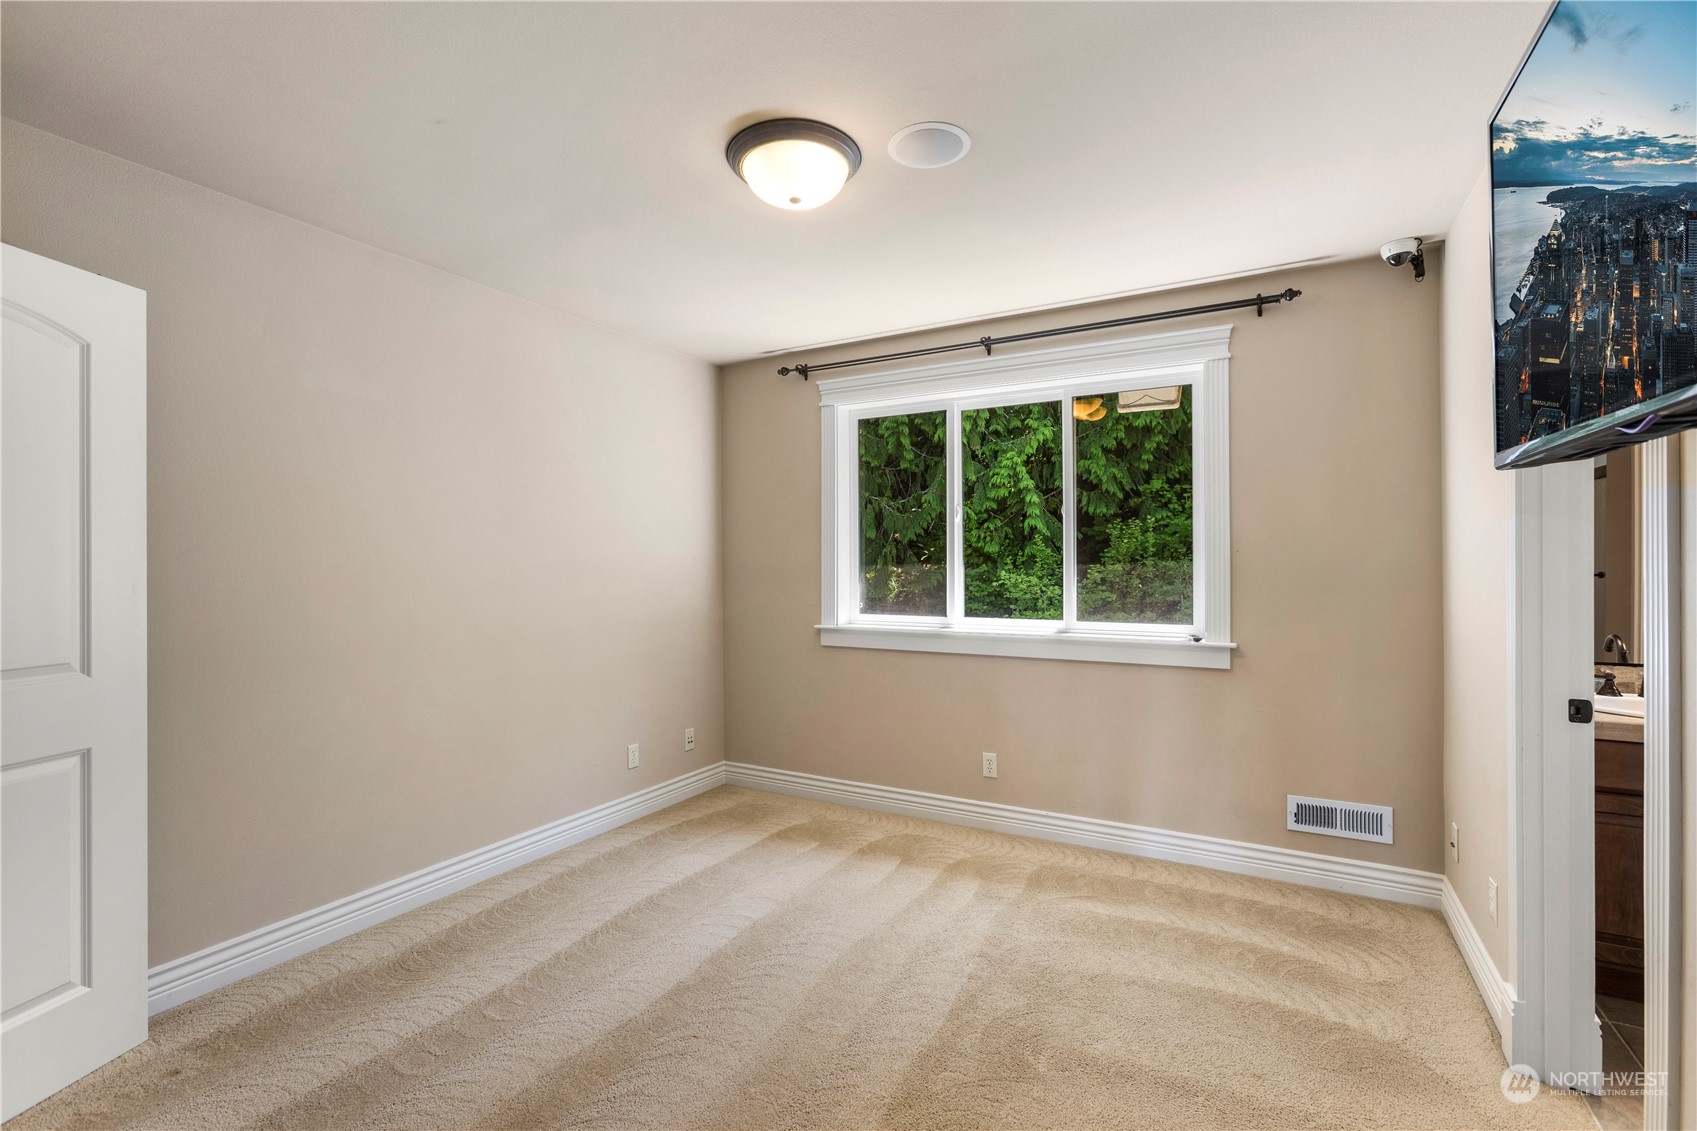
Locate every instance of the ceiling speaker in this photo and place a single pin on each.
(929, 145)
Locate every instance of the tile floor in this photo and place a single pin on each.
(1623, 1059)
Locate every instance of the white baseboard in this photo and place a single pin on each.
(1498, 994)
(1335, 873)
(184, 978)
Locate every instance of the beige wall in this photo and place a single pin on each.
(1478, 505)
(1622, 608)
(1336, 688)
(423, 558)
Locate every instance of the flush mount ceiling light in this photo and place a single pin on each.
(794, 163)
(929, 145)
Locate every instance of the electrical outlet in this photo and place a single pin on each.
(1491, 900)
(689, 738)
(633, 755)
(1455, 841)
(989, 765)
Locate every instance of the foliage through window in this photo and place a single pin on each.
(904, 535)
(1133, 490)
(1134, 508)
(1001, 507)
(1011, 510)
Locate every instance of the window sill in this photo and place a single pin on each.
(1041, 644)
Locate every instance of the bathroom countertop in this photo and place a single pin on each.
(1618, 728)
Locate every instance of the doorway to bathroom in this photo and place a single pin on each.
(1618, 766)
(1596, 841)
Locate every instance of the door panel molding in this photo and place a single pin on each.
(22, 425)
(24, 791)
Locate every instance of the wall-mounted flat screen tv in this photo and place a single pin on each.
(1594, 232)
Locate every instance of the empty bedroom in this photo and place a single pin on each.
(848, 565)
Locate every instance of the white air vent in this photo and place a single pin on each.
(1338, 818)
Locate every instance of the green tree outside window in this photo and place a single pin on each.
(1134, 497)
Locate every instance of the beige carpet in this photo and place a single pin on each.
(745, 960)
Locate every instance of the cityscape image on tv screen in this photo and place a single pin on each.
(1594, 228)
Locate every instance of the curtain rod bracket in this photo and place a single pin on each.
(986, 341)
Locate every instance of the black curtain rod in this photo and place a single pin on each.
(1259, 302)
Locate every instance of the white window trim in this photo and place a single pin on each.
(1197, 357)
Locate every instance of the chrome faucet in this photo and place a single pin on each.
(1614, 641)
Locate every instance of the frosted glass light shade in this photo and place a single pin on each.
(794, 163)
(795, 174)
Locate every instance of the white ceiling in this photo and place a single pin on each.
(572, 153)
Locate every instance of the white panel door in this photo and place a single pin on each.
(73, 674)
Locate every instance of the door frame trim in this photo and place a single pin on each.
(1551, 774)
(1554, 1028)
(1660, 492)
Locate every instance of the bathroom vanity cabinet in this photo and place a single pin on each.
(1620, 857)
